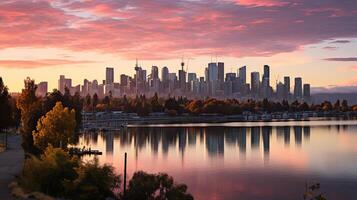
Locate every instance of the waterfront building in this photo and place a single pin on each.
(109, 75)
(298, 88)
(254, 83)
(307, 95)
(42, 89)
(64, 82)
(220, 72)
(212, 72)
(287, 87)
(242, 74)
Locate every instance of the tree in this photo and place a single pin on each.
(30, 107)
(5, 107)
(93, 182)
(344, 105)
(156, 106)
(195, 107)
(95, 101)
(327, 106)
(56, 128)
(88, 102)
(155, 187)
(47, 173)
(337, 105)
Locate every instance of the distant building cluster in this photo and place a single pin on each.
(215, 83)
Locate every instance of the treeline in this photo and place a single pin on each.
(143, 106)
(48, 126)
(32, 108)
(9, 113)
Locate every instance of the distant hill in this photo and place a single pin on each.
(333, 97)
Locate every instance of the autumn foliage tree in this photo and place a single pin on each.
(55, 128)
(30, 107)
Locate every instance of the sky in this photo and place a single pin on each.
(43, 39)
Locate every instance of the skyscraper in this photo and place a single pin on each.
(254, 82)
(42, 89)
(230, 76)
(212, 72)
(298, 88)
(154, 72)
(242, 74)
(280, 90)
(221, 72)
(266, 72)
(109, 75)
(182, 80)
(64, 83)
(165, 74)
(266, 82)
(307, 92)
(124, 80)
(206, 74)
(191, 77)
(287, 87)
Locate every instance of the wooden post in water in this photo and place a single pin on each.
(125, 156)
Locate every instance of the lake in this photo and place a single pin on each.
(240, 161)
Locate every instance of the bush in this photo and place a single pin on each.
(58, 174)
(47, 173)
(156, 187)
(93, 182)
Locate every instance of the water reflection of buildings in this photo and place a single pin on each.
(298, 135)
(214, 139)
(266, 131)
(255, 137)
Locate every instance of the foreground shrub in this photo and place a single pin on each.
(47, 173)
(58, 174)
(156, 187)
(93, 182)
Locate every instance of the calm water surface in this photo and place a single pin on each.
(245, 161)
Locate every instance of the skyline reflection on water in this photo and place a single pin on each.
(266, 161)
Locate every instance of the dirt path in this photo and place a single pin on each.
(11, 162)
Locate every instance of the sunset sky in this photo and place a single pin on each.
(314, 39)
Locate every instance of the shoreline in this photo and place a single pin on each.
(115, 121)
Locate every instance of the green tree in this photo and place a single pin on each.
(93, 182)
(48, 173)
(30, 107)
(5, 107)
(155, 187)
(56, 128)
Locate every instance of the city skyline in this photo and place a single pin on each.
(79, 38)
(216, 82)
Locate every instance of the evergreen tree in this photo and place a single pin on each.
(5, 107)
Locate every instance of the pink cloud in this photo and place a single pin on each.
(160, 29)
(260, 2)
(39, 63)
